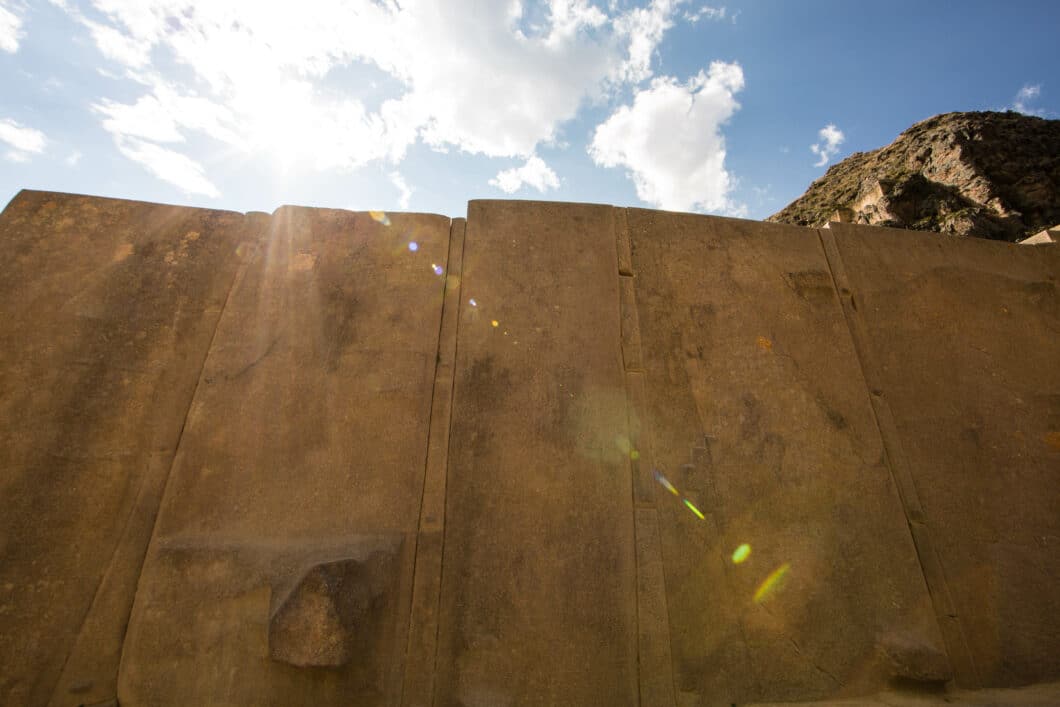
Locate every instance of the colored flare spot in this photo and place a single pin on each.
(495, 323)
(414, 246)
(472, 302)
(694, 509)
(380, 216)
(634, 454)
(665, 484)
(764, 343)
(437, 269)
(741, 553)
(771, 583)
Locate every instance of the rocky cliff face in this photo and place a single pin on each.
(990, 175)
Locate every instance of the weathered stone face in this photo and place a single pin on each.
(555, 454)
(989, 175)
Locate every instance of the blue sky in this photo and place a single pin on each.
(722, 107)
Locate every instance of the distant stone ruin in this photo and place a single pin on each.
(982, 174)
(552, 454)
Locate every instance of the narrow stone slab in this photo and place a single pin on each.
(106, 312)
(759, 418)
(963, 334)
(630, 326)
(653, 636)
(538, 586)
(301, 465)
(421, 656)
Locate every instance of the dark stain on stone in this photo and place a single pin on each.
(702, 315)
(485, 384)
(814, 286)
(836, 418)
(340, 313)
(970, 435)
(771, 453)
(751, 419)
(1040, 292)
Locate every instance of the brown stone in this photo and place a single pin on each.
(330, 616)
(607, 456)
(962, 339)
(107, 309)
(913, 658)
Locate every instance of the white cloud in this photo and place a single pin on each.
(706, 12)
(23, 141)
(404, 191)
(1028, 94)
(534, 173)
(119, 47)
(169, 166)
(10, 28)
(644, 28)
(670, 140)
(831, 138)
(147, 119)
(462, 74)
(73, 159)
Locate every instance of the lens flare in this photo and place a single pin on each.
(437, 269)
(472, 302)
(771, 583)
(634, 454)
(380, 216)
(414, 246)
(694, 509)
(665, 484)
(495, 323)
(741, 553)
(764, 343)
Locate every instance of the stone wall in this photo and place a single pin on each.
(552, 454)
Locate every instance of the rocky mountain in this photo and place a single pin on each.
(990, 175)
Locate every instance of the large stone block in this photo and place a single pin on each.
(308, 434)
(758, 415)
(107, 309)
(963, 341)
(560, 454)
(538, 589)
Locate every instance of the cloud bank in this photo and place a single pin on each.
(337, 85)
(669, 140)
(11, 33)
(23, 141)
(535, 173)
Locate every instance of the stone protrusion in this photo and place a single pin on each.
(915, 659)
(331, 614)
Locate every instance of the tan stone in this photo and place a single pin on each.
(555, 454)
(1049, 235)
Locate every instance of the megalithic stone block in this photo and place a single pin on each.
(557, 454)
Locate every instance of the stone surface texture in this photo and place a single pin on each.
(550, 454)
(989, 175)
